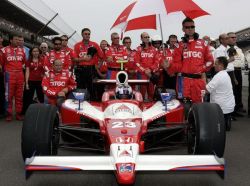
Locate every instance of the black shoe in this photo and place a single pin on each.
(233, 118)
(236, 114)
(242, 110)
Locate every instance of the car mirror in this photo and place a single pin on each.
(165, 97)
(80, 96)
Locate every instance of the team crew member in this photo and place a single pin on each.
(147, 62)
(57, 53)
(69, 51)
(88, 53)
(57, 83)
(101, 69)
(44, 49)
(130, 67)
(2, 102)
(167, 55)
(34, 73)
(21, 44)
(221, 91)
(170, 81)
(115, 53)
(192, 58)
(12, 60)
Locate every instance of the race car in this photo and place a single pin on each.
(126, 130)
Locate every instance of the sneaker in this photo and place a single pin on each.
(19, 117)
(8, 118)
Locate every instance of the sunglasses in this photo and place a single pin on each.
(189, 27)
(146, 37)
(57, 43)
(87, 34)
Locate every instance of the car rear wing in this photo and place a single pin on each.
(199, 163)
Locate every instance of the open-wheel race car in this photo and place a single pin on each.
(125, 130)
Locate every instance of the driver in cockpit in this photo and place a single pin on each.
(122, 90)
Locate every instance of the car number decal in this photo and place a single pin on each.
(120, 124)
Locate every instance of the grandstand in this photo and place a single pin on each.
(243, 39)
(34, 20)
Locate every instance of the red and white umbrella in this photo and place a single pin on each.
(142, 13)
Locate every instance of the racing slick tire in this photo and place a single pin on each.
(206, 129)
(40, 134)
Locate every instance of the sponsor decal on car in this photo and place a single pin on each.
(123, 108)
(126, 167)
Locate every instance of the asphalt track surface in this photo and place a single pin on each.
(237, 157)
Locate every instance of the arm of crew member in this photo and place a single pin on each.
(165, 64)
(27, 75)
(84, 58)
(231, 59)
(63, 92)
(99, 72)
(1, 61)
(212, 85)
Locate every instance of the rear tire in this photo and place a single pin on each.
(206, 129)
(40, 134)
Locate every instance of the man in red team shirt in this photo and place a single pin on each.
(130, 67)
(57, 83)
(69, 51)
(12, 61)
(170, 81)
(88, 53)
(147, 62)
(57, 53)
(192, 58)
(163, 55)
(2, 100)
(115, 53)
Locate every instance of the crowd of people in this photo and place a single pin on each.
(191, 66)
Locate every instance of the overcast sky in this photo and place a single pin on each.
(99, 15)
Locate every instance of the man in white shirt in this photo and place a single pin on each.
(247, 55)
(222, 51)
(238, 63)
(221, 91)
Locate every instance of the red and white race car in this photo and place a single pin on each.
(125, 130)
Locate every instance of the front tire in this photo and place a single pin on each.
(206, 129)
(40, 134)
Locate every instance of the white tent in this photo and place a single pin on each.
(40, 11)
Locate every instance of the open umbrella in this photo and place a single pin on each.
(142, 14)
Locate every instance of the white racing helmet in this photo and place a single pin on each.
(124, 92)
